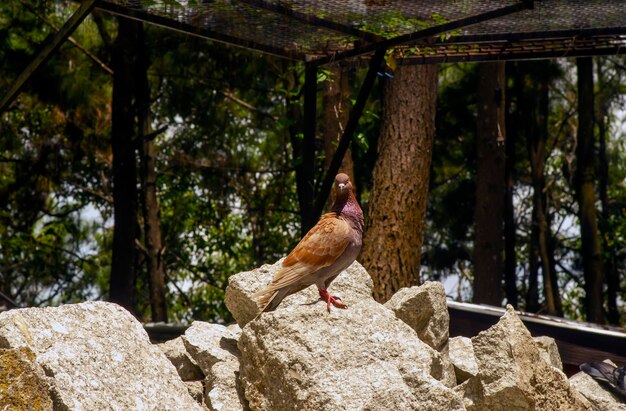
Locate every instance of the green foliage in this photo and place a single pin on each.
(226, 180)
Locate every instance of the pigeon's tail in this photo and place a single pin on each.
(268, 299)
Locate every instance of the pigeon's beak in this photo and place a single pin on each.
(341, 186)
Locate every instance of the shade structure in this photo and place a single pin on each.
(420, 31)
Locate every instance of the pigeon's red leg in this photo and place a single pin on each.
(330, 299)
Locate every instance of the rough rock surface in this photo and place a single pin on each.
(424, 309)
(549, 351)
(599, 395)
(351, 285)
(196, 390)
(186, 366)
(300, 357)
(98, 357)
(461, 353)
(513, 375)
(23, 383)
(214, 348)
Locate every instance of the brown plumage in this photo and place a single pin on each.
(326, 250)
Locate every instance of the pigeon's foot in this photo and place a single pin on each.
(330, 299)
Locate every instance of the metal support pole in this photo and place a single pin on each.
(308, 143)
(348, 132)
(51, 44)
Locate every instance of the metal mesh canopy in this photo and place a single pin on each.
(329, 30)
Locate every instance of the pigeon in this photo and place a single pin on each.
(324, 252)
(608, 373)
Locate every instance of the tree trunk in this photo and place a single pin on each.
(336, 104)
(396, 217)
(535, 108)
(124, 167)
(584, 181)
(150, 205)
(490, 185)
(608, 236)
(510, 226)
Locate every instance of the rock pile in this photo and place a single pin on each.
(368, 357)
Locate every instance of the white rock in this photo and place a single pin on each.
(302, 358)
(461, 354)
(425, 310)
(99, 357)
(512, 374)
(214, 348)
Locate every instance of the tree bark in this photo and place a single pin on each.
(490, 185)
(396, 217)
(584, 181)
(149, 202)
(336, 104)
(121, 287)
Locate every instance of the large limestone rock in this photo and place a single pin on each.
(214, 348)
(424, 309)
(97, 357)
(299, 357)
(461, 353)
(351, 285)
(513, 375)
(598, 394)
(23, 383)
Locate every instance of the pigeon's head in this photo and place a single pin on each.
(343, 186)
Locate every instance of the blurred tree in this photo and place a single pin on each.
(336, 110)
(152, 245)
(490, 188)
(123, 144)
(585, 195)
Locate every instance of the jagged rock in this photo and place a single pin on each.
(461, 353)
(513, 375)
(601, 397)
(299, 357)
(98, 357)
(214, 348)
(186, 367)
(209, 343)
(352, 284)
(549, 351)
(424, 309)
(196, 390)
(224, 391)
(23, 383)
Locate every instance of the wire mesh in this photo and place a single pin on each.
(307, 29)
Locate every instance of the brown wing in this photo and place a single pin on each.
(319, 248)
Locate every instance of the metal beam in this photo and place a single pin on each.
(186, 28)
(312, 20)
(425, 33)
(308, 143)
(348, 132)
(51, 44)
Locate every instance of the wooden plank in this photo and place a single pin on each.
(51, 44)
